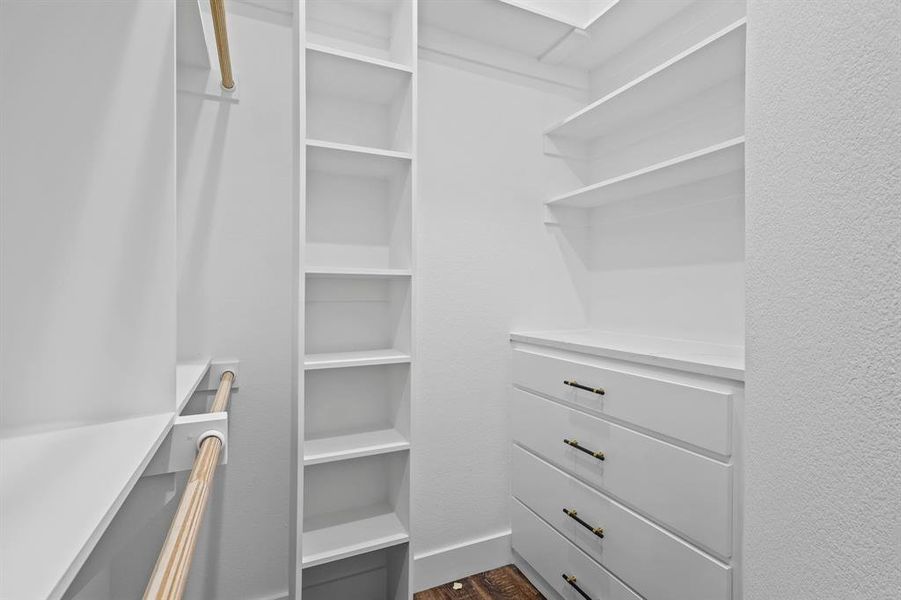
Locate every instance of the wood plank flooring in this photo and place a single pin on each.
(506, 583)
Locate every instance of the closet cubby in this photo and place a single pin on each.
(359, 210)
(381, 29)
(357, 314)
(378, 575)
(355, 506)
(353, 412)
(358, 102)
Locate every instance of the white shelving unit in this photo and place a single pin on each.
(355, 440)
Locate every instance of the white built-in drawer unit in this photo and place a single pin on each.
(690, 493)
(690, 413)
(657, 564)
(628, 480)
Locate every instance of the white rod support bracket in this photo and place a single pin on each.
(179, 449)
(218, 367)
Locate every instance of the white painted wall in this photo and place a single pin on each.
(235, 277)
(87, 217)
(485, 264)
(823, 480)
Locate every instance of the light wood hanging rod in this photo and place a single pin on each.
(225, 62)
(167, 582)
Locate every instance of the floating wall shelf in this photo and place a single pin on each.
(715, 60)
(708, 163)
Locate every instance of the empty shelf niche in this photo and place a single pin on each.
(378, 575)
(356, 412)
(355, 506)
(358, 316)
(358, 102)
(379, 29)
(358, 209)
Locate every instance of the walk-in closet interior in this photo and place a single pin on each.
(354, 299)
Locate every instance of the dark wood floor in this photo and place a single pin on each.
(506, 583)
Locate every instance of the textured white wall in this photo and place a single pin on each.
(87, 218)
(486, 264)
(823, 481)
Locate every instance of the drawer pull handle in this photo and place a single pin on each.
(574, 515)
(571, 580)
(598, 455)
(575, 384)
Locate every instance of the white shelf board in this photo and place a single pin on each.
(188, 376)
(354, 77)
(363, 58)
(59, 490)
(350, 538)
(355, 161)
(710, 162)
(345, 447)
(363, 358)
(355, 272)
(714, 60)
(693, 356)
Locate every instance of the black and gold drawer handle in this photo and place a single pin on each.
(571, 580)
(576, 384)
(574, 515)
(598, 455)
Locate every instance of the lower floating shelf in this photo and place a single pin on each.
(363, 358)
(352, 537)
(345, 447)
(59, 490)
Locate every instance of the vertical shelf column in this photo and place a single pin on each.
(356, 198)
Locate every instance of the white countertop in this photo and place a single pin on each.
(705, 358)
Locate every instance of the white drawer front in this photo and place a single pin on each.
(552, 556)
(696, 415)
(686, 491)
(654, 563)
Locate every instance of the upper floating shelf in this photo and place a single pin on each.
(708, 163)
(714, 60)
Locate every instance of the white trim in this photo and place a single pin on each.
(461, 560)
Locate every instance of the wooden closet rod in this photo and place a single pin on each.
(167, 582)
(225, 62)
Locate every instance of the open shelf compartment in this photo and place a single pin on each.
(355, 412)
(359, 102)
(380, 29)
(375, 575)
(359, 215)
(355, 506)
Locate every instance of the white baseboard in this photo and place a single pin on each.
(461, 560)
